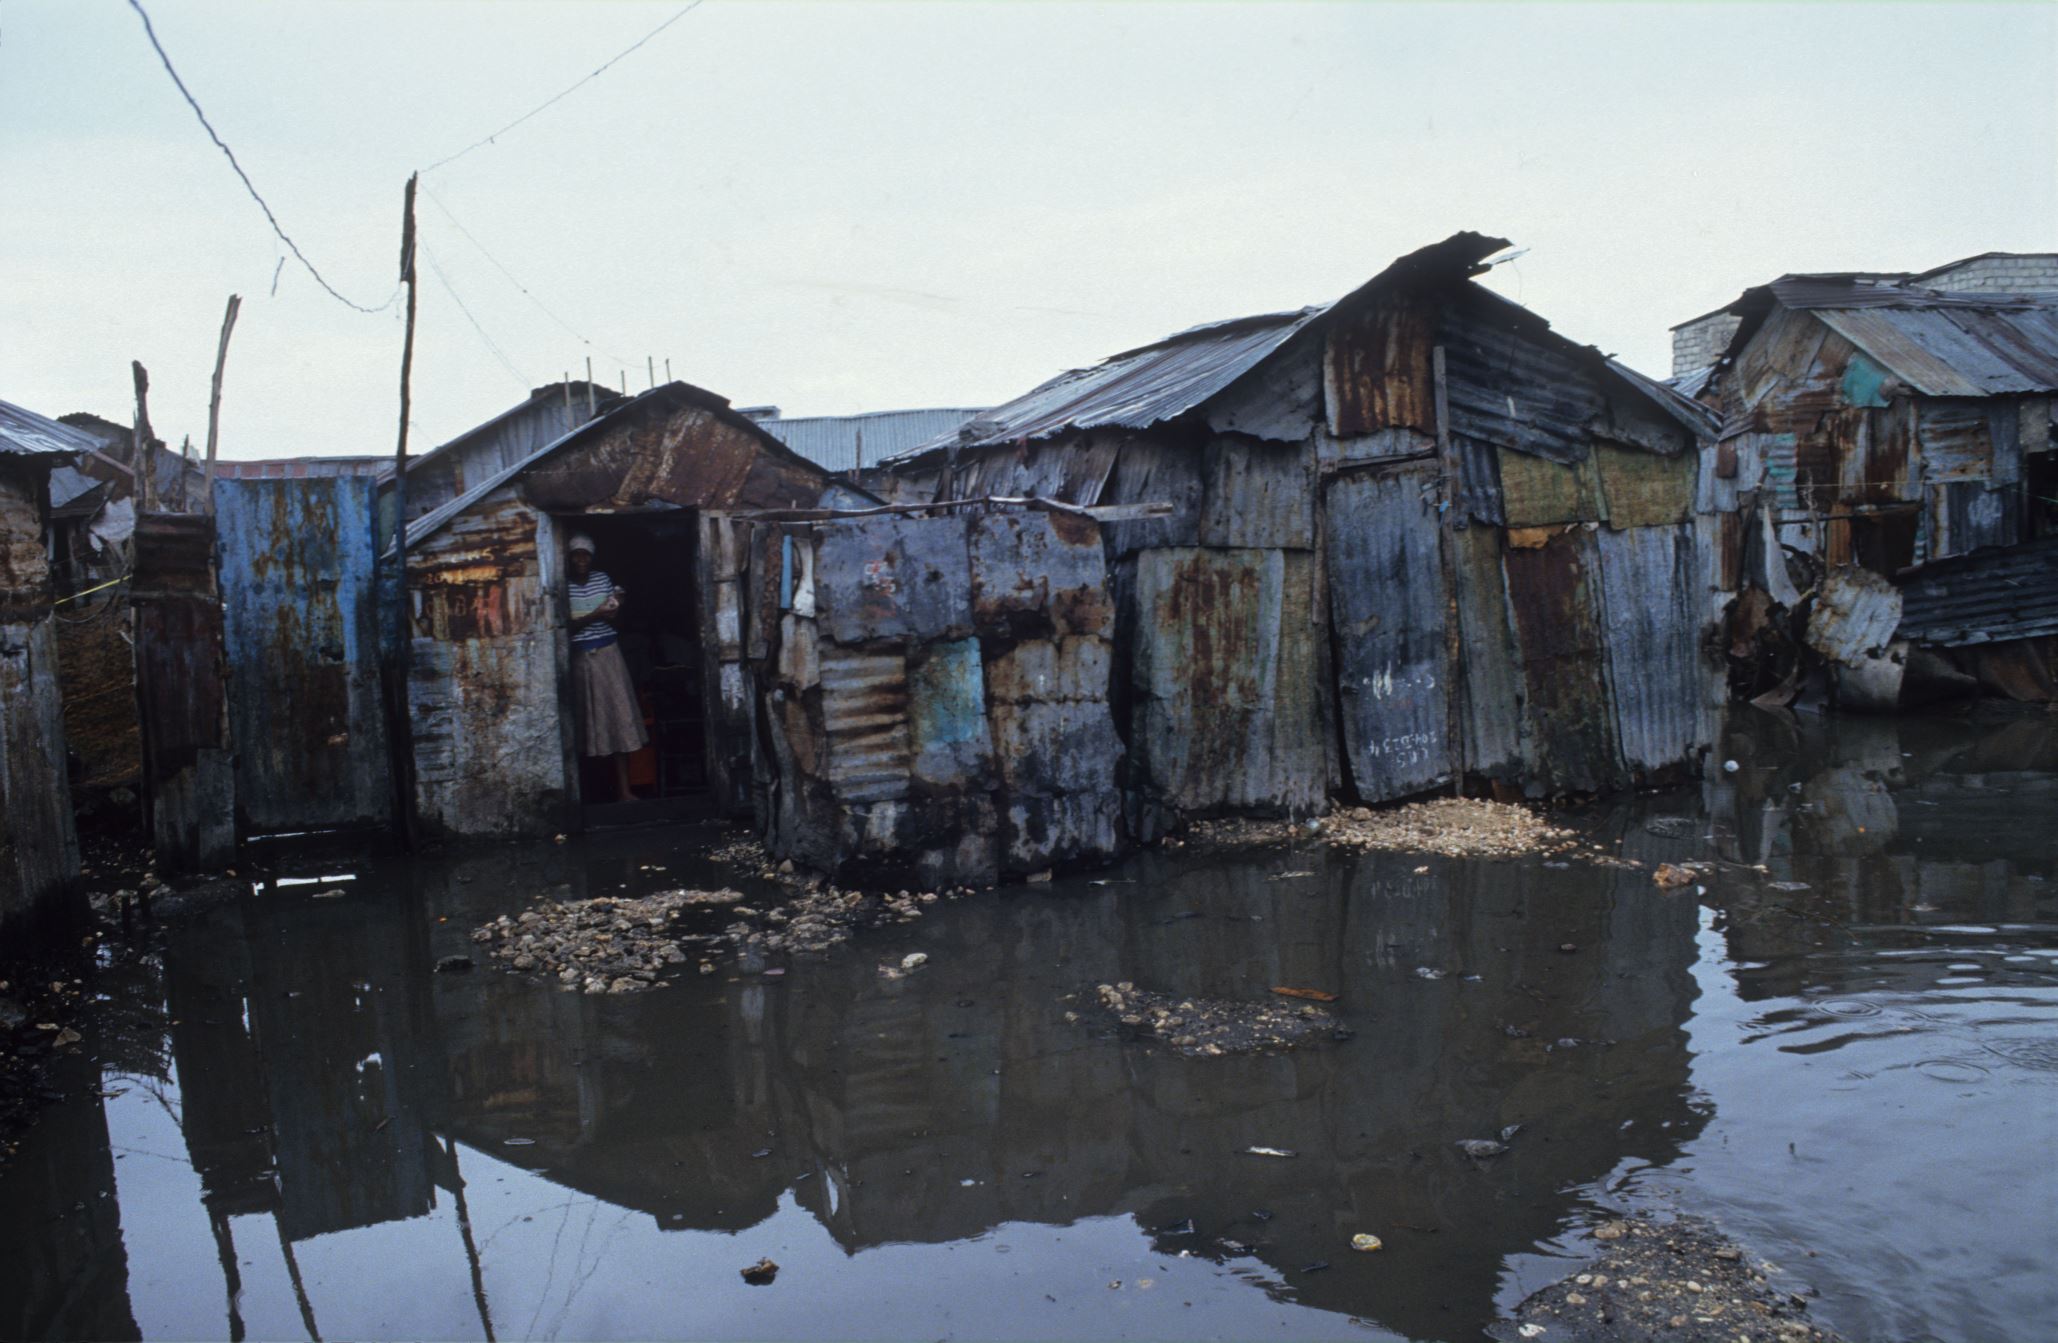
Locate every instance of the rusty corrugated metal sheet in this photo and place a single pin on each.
(1493, 687)
(1376, 368)
(1226, 699)
(1990, 596)
(1991, 349)
(1552, 591)
(936, 693)
(39, 852)
(1257, 494)
(1388, 603)
(298, 581)
(486, 663)
(189, 775)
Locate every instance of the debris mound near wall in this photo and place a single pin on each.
(1208, 1027)
(1458, 827)
(605, 945)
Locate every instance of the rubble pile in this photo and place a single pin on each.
(1210, 1027)
(822, 917)
(604, 945)
(1456, 827)
(1677, 1280)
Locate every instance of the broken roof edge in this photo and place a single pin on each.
(1457, 257)
(27, 433)
(675, 393)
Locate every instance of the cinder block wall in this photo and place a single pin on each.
(1701, 342)
(2027, 273)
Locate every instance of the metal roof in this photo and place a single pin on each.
(1958, 351)
(1137, 388)
(832, 441)
(1986, 597)
(27, 434)
(1168, 378)
(668, 394)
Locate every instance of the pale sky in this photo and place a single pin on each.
(866, 207)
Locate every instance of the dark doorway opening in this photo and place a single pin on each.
(651, 558)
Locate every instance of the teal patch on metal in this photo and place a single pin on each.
(1863, 380)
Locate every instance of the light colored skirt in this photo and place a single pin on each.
(604, 702)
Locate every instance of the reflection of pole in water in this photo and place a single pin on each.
(471, 1247)
(293, 1273)
(225, 1249)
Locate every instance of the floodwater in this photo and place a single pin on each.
(1850, 1063)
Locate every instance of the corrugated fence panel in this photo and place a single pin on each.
(1493, 685)
(1388, 608)
(1552, 590)
(299, 579)
(1649, 613)
(189, 771)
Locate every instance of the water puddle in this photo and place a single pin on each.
(290, 1125)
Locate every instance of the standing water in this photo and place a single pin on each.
(1841, 1047)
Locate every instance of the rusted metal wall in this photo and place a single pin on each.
(1553, 594)
(1650, 617)
(684, 456)
(1388, 602)
(189, 771)
(1227, 686)
(487, 653)
(934, 693)
(39, 851)
(298, 580)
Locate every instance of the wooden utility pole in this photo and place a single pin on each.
(214, 401)
(399, 736)
(589, 387)
(142, 468)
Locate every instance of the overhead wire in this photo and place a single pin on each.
(551, 101)
(151, 32)
(491, 344)
(548, 311)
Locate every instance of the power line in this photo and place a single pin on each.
(547, 310)
(478, 144)
(193, 103)
(498, 353)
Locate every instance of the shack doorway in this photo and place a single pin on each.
(651, 559)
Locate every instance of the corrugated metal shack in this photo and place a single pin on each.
(487, 691)
(39, 849)
(934, 689)
(1872, 425)
(1342, 482)
(848, 444)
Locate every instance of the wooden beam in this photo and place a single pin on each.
(214, 400)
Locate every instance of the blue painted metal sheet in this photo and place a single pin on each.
(298, 581)
(1388, 603)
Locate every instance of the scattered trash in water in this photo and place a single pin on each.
(1427, 972)
(1481, 1149)
(1787, 885)
(1269, 1151)
(1312, 995)
(914, 960)
(1211, 1027)
(1670, 875)
(761, 1273)
(518, 1142)
(1365, 1242)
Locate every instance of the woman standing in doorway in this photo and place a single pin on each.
(609, 722)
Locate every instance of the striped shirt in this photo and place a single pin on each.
(585, 596)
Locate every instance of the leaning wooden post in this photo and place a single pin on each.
(400, 736)
(1453, 518)
(214, 400)
(142, 468)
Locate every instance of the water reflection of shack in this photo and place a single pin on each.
(1874, 828)
(1341, 480)
(941, 1106)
